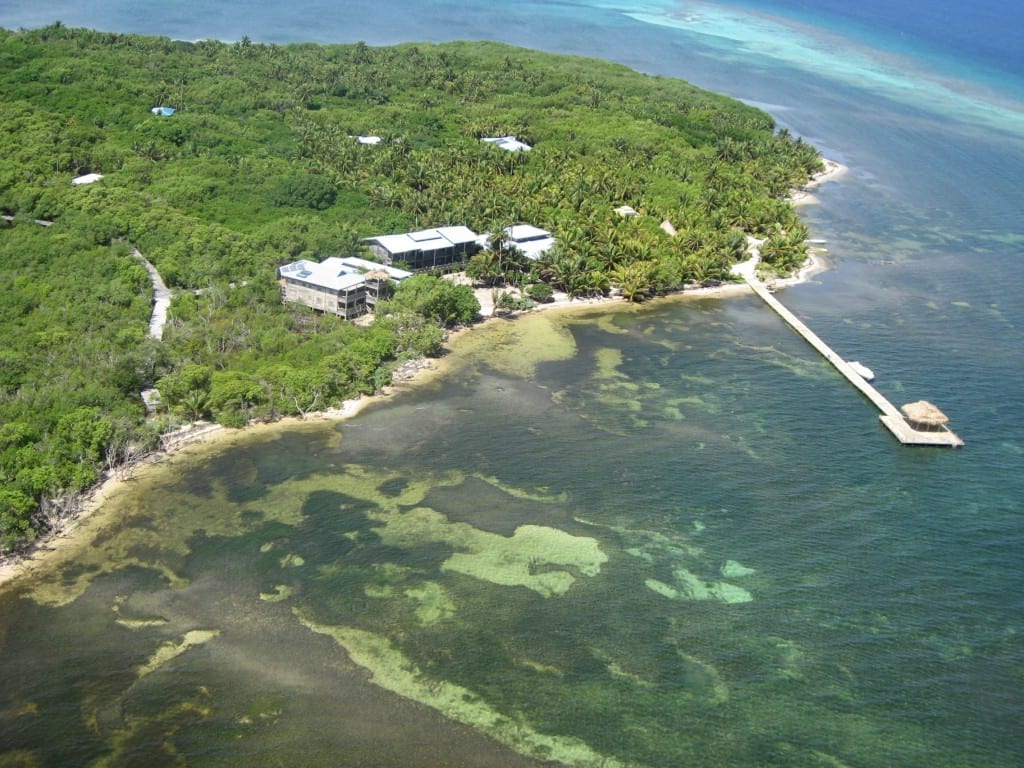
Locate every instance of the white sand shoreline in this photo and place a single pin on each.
(34, 557)
(833, 171)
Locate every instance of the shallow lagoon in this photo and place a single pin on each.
(507, 559)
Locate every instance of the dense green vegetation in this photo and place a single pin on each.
(259, 166)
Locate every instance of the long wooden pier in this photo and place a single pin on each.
(890, 415)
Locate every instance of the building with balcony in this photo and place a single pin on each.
(348, 287)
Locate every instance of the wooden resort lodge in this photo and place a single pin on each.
(347, 287)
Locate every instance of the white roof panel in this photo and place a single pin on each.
(364, 265)
(458, 234)
(508, 143)
(425, 239)
(425, 236)
(522, 232)
(533, 242)
(331, 273)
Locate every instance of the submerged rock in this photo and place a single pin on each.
(731, 569)
(691, 587)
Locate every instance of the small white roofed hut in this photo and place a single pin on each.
(508, 143)
(89, 178)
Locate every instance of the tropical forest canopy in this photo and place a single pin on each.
(259, 166)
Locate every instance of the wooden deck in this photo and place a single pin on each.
(891, 416)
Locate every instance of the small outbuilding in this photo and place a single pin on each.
(163, 111)
(508, 143)
(89, 178)
(369, 139)
(533, 242)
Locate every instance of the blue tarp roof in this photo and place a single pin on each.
(163, 111)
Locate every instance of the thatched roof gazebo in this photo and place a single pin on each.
(925, 417)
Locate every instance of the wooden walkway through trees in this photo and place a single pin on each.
(161, 293)
(161, 297)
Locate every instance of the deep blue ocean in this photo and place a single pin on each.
(661, 536)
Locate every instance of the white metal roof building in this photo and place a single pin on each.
(426, 248)
(533, 242)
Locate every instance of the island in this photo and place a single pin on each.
(217, 164)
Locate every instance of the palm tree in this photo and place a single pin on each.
(634, 280)
(485, 267)
(196, 404)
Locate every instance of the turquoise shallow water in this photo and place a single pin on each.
(656, 459)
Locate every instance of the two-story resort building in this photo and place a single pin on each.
(427, 248)
(348, 286)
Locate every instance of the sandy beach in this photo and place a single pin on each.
(804, 196)
(208, 434)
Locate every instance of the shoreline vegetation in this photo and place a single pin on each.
(239, 157)
(203, 436)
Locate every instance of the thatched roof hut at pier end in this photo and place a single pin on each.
(925, 417)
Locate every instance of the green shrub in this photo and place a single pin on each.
(510, 301)
(541, 293)
(304, 191)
